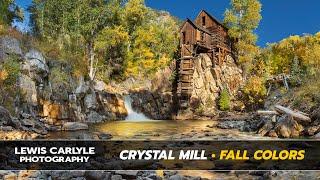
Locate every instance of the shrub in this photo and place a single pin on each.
(9, 73)
(224, 101)
(254, 92)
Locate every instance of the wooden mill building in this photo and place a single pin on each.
(203, 35)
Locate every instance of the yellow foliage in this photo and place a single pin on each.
(3, 75)
(111, 37)
(255, 90)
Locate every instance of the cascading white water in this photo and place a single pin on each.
(133, 115)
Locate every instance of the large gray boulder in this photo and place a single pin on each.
(9, 46)
(74, 126)
(35, 65)
(93, 116)
(5, 117)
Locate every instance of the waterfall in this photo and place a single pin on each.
(133, 115)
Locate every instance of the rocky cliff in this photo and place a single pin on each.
(48, 90)
(209, 80)
(157, 101)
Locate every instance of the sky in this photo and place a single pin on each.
(280, 18)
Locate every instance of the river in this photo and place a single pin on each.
(138, 126)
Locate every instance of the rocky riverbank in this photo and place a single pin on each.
(157, 175)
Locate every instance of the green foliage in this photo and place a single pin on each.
(224, 101)
(200, 110)
(9, 12)
(307, 95)
(173, 76)
(242, 19)
(9, 73)
(135, 13)
(114, 37)
(59, 76)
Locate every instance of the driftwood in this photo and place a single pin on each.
(296, 115)
(262, 112)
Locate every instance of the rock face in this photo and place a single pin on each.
(9, 46)
(49, 90)
(209, 79)
(156, 102)
(5, 116)
(25, 128)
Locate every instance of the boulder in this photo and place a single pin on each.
(317, 136)
(267, 126)
(93, 116)
(9, 46)
(5, 117)
(287, 127)
(10, 176)
(103, 136)
(35, 65)
(74, 126)
(209, 80)
(116, 177)
(99, 85)
(231, 124)
(96, 175)
(176, 177)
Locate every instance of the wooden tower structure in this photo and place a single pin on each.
(203, 35)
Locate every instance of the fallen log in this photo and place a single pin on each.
(263, 112)
(296, 115)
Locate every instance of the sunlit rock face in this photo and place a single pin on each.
(209, 79)
(48, 89)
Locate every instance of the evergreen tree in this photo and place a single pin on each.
(224, 101)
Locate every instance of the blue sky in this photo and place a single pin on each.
(280, 18)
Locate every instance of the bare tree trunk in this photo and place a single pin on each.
(91, 60)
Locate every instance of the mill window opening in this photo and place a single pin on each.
(183, 37)
(202, 36)
(203, 21)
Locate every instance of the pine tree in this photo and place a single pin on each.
(224, 101)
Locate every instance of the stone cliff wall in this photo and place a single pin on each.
(48, 89)
(209, 79)
(156, 101)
